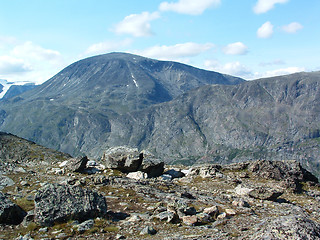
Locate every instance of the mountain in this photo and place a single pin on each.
(72, 111)
(15, 90)
(120, 82)
(169, 109)
(11, 89)
(275, 118)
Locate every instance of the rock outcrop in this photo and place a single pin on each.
(10, 213)
(59, 203)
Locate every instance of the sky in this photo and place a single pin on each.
(248, 38)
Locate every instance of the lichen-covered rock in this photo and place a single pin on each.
(263, 193)
(123, 158)
(10, 213)
(288, 227)
(5, 182)
(59, 203)
(78, 164)
(280, 170)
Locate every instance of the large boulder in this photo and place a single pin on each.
(78, 164)
(10, 213)
(152, 166)
(123, 158)
(288, 227)
(60, 203)
(280, 170)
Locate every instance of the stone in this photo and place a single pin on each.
(190, 220)
(10, 213)
(5, 182)
(153, 167)
(230, 212)
(137, 175)
(212, 211)
(264, 193)
(280, 170)
(207, 171)
(175, 173)
(60, 203)
(240, 203)
(204, 218)
(167, 216)
(123, 159)
(287, 227)
(148, 230)
(84, 226)
(78, 164)
(242, 191)
(166, 177)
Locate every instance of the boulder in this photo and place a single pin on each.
(152, 166)
(206, 171)
(78, 164)
(5, 182)
(123, 159)
(280, 170)
(60, 203)
(137, 175)
(288, 227)
(10, 213)
(175, 173)
(263, 193)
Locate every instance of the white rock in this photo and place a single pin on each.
(137, 175)
(63, 164)
(239, 190)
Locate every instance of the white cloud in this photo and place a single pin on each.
(265, 31)
(107, 46)
(232, 68)
(283, 71)
(10, 65)
(137, 25)
(31, 50)
(292, 27)
(191, 7)
(173, 52)
(237, 48)
(29, 62)
(263, 6)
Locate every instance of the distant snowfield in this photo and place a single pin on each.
(6, 85)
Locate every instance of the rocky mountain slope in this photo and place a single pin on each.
(67, 198)
(120, 99)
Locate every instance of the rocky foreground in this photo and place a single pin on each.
(131, 195)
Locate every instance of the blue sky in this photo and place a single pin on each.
(247, 38)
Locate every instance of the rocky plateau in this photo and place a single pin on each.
(130, 194)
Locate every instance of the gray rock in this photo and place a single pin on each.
(84, 226)
(153, 167)
(78, 164)
(5, 182)
(59, 203)
(175, 173)
(10, 213)
(123, 158)
(288, 227)
(280, 170)
(166, 177)
(168, 216)
(263, 193)
(148, 230)
(137, 175)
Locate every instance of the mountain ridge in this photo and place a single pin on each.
(273, 118)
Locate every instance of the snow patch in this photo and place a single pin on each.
(134, 80)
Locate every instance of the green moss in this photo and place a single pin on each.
(25, 204)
